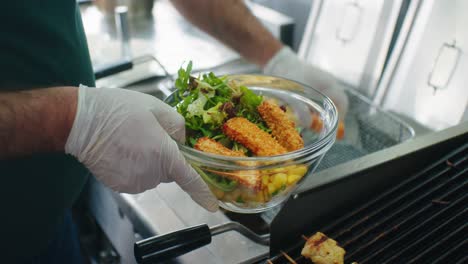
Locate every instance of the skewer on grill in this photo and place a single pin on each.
(288, 257)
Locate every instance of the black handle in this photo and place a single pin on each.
(112, 68)
(168, 246)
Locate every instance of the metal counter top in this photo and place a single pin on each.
(166, 35)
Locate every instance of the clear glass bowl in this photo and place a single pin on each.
(277, 175)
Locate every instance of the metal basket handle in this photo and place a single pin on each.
(445, 64)
(350, 8)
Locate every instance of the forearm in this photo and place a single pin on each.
(36, 121)
(231, 22)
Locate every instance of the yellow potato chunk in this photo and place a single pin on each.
(293, 178)
(298, 170)
(271, 188)
(279, 180)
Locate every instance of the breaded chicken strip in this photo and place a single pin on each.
(282, 128)
(209, 145)
(323, 250)
(248, 178)
(253, 138)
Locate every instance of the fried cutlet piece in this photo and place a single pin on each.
(248, 178)
(209, 145)
(282, 128)
(323, 250)
(253, 138)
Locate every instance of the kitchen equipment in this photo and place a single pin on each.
(275, 176)
(405, 203)
(136, 8)
(420, 220)
(426, 74)
(367, 129)
(126, 61)
(280, 25)
(298, 9)
(126, 64)
(169, 246)
(351, 39)
(122, 30)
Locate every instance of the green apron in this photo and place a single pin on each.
(42, 44)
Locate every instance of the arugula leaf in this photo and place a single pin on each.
(182, 106)
(249, 99)
(182, 82)
(192, 141)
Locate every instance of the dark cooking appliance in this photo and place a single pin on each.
(421, 220)
(404, 204)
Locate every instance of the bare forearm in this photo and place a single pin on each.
(36, 121)
(231, 22)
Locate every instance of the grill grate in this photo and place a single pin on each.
(422, 220)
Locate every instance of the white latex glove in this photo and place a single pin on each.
(287, 64)
(124, 138)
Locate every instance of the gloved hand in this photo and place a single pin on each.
(286, 64)
(124, 138)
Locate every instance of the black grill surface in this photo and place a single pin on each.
(422, 220)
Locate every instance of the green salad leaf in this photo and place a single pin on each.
(214, 116)
(249, 99)
(196, 108)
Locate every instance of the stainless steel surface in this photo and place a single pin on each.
(149, 58)
(350, 22)
(167, 36)
(350, 39)
(279, 24)
(398, 47)
(137, 8)
(112, 220)
(123, 33)
(235, 226)
(297, 9)
(444, 66)
(409, 88)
